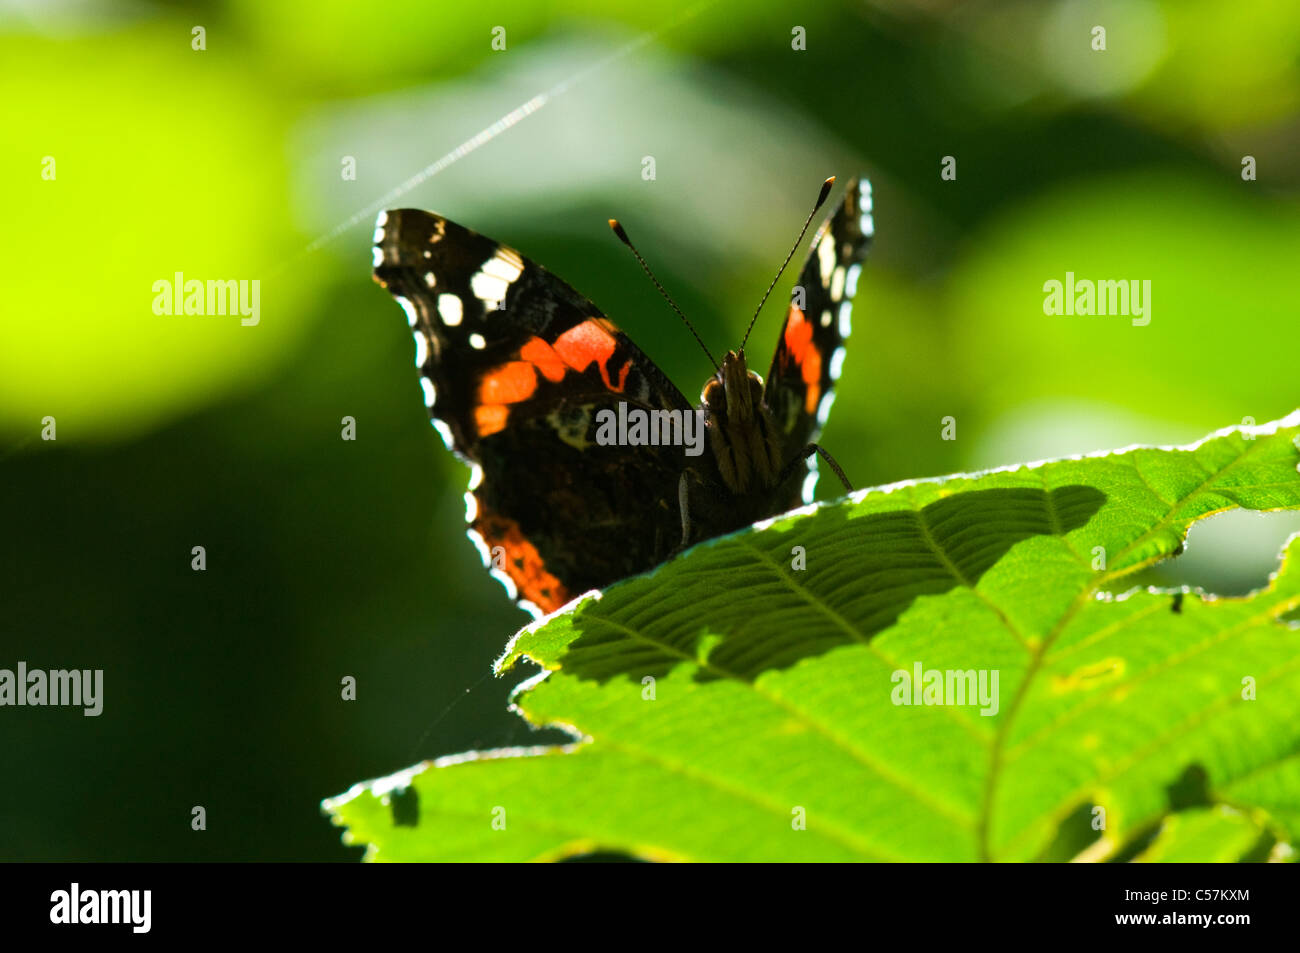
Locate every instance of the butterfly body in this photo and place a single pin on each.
(521, 372)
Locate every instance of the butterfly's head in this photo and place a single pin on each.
(733, 394)
(742, 436)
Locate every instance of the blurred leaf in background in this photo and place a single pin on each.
(329, 558)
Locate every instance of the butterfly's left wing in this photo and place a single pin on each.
(517, 368)
(800, 384)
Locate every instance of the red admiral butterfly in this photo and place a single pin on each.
(523, 376)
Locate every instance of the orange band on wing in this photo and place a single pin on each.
(543, 357)
(516, 381)
(489, 418)
(591, 341)
(798, 342)
(523, 563)
(508, 384)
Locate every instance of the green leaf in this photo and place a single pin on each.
(729, 706)
(1220, 834)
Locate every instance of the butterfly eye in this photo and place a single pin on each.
(714, 394)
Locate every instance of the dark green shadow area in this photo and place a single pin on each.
(862, 572)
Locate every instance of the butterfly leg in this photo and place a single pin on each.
(683, 504)
(807, 452)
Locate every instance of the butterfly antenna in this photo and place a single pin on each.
(821, 200)
(622, 236)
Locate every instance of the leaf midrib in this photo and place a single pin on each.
(1085, 596)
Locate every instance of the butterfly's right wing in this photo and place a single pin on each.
(800, 385)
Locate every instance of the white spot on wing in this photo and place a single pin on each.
(810, 481)
(826, 258)
(444, 432)
(837, 284)
(846, 326)
(867, 224)
(488, 288)
(475, 477)
(511, 589)
(382, 219)
(411, 317)
(478, 542)
(837, 363)
(376, 257)
(421, 349)
(507, 269)
(379, 234)
(824, 409)
(826, 318)
(429, 279)
(430, 392)
(471, 511)
(450, 309)
(851, 281)
(477, 342)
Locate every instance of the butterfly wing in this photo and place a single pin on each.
(800, 384)
(515, 366)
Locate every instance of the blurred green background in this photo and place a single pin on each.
(328, 558)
